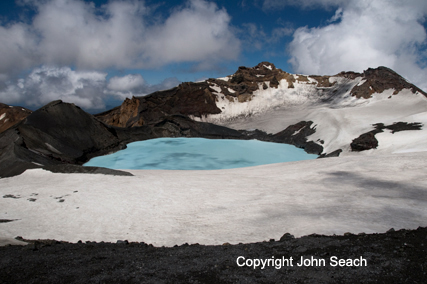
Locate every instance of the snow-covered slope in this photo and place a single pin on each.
(323, 196)
(342, 107)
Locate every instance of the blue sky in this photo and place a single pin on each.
(97, 53)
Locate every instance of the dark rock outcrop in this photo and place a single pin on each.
(56, 134)
(400, 126)
(335, 153)
(295, 134)
(367, 140)
(194, 99)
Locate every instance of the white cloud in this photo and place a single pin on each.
(125, 83)
(121, 34)
(369, 34)
(125, 34)
(87, 89)
(46, 84)
(134, 85)
(198, 31)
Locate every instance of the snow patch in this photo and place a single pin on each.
(268, 67)
(216, 88)
(2, 116)
(51, 148)
(224, 79)
(311, 80)
(298, 131)
(258, 75)
(231, 90)
(361, 82)
(302, 95)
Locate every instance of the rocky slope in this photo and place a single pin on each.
(11, 115)
(220, 99)
(393, 257)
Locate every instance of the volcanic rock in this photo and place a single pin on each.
(187, 99)
(11, 115)
(297, 135)
(194, 99)
(367, 141)
(380, 79)
(58, 133)
(392, 257)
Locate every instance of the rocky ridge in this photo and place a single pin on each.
(11, 115)
(199, 100)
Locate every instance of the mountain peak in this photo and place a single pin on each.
(377, 80)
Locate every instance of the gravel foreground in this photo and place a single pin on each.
(392, 257)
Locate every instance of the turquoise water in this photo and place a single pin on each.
(199, 154)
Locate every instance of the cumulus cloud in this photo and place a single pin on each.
(87, 89)
(121, 34)
(135, 85)
(363, 34)
(46, 84)
(197, 31)
(131, 81)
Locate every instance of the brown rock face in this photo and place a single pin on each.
(187, 99)
(11, 115)
(247, 80)
(379, 80)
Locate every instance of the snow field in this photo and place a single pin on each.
(324, 196)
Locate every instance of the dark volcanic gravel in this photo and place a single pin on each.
(393, 257)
